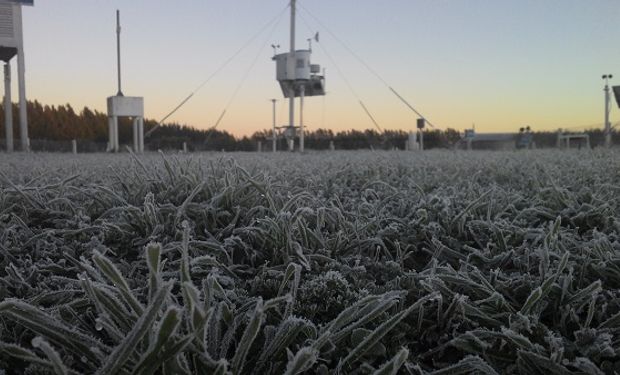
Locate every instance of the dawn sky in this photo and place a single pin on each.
(498, 64)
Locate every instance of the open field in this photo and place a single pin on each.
(357, 263)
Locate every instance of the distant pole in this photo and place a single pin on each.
(607, 77)
(273, 133)
(8, 108)
(74, 147)
(291, 65)
(118, 50)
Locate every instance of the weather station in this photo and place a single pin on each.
(11, 45)
(298, 78)
(124, 106)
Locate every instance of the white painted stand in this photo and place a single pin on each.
(126, 106)
(11, 44)
(412, 142)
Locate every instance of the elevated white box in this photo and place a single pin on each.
(126, 106)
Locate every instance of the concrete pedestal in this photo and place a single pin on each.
(126, 106)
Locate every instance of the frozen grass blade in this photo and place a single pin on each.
(249, 335)
(46, 326)
(302, 361)
(114, 275)
(116, 360)
(393, 365)
(165, 332)
(59, 367)
(23, 354)
(372, 339)
(468, 365)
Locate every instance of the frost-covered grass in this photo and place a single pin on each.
(364, 263)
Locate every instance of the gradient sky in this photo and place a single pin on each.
(498, 64)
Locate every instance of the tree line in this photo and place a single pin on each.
(58, 125)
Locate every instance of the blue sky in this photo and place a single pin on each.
(498, 64)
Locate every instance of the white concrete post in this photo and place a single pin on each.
(301, 119)
(291, 144)
(8, 108)
(141, 133)
(115, 143)
(185, 147)
(291, 118)
(110, 134)
(21, 74)
(421, 139)
(259, 146)
(607, 123)
(136, 141)
(74, 147)
(332, 147)
(273, 133)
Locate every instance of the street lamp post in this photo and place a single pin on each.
(607, 77)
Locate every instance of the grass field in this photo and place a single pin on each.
(351, 263)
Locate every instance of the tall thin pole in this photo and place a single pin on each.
(293, 10)
(291, 66)
(8, 108)
(118, 50)
(273, 134)
(606, 77)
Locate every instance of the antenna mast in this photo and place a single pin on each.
(118, 50)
